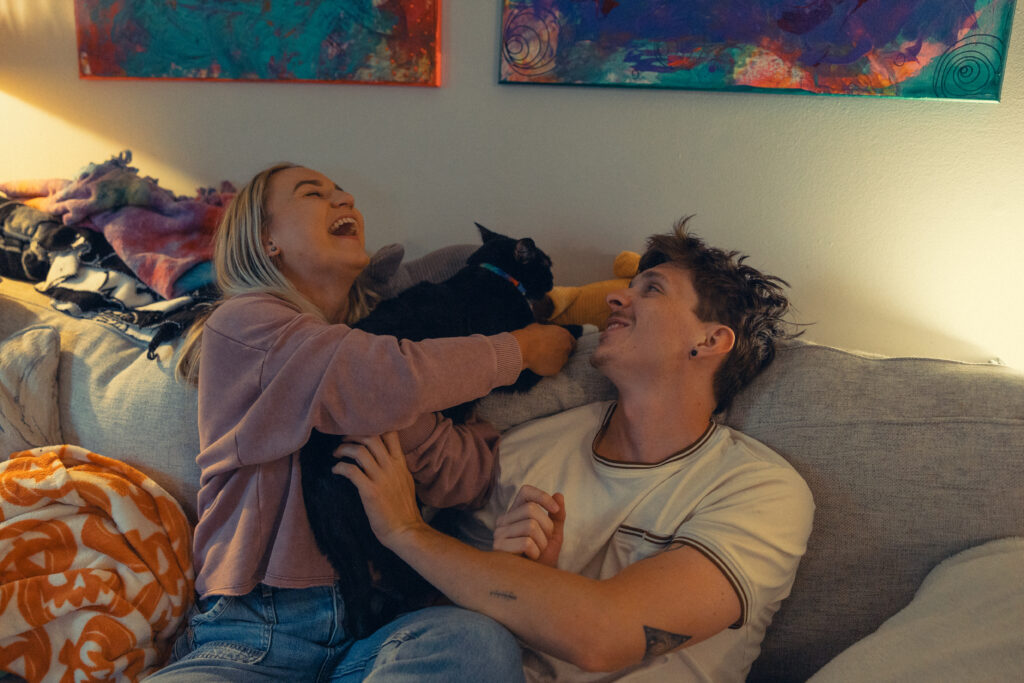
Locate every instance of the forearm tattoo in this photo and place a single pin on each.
(659, 642)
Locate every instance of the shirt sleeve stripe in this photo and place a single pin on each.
(729, 575)
(668, 541)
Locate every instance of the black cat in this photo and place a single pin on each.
(491, 294)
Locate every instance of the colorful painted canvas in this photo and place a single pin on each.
(335, 41)
(898, 48)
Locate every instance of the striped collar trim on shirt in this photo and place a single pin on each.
(675, 457)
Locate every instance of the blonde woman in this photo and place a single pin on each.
(273, 361)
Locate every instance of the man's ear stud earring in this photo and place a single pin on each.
(693, 352)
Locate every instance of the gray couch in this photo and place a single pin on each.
(911, 461)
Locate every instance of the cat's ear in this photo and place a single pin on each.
(485, 234)
(525, 250)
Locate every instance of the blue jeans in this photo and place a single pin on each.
(275, 634)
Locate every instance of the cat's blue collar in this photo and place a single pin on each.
(501, 273)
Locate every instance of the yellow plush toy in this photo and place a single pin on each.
(586, 304)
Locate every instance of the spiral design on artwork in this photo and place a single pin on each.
(529, 41)
(970, 66)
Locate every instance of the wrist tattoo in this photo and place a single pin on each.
(504, 595)
(659, 642)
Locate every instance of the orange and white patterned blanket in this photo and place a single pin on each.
(95, 567)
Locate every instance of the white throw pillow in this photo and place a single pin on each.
(966, 623)
(28, 390)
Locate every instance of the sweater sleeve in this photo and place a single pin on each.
(453, 465)
(269, 374)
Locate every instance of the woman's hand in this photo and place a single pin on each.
(545, 348)
(532, 526)
(379, 472)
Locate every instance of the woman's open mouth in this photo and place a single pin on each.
(345, 226)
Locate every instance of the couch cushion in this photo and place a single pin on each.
(28, 390)
(966, 623)
(114, 401)
(910, 461)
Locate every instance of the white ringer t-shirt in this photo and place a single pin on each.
(727, 495)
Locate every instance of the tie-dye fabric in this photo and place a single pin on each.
(163, 238)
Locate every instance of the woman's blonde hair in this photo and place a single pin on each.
(243, 266)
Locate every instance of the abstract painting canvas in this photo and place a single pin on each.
(898, 48)
(333, 41)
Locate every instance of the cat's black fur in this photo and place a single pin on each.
(473, 301)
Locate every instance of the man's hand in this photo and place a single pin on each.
(377, 467)
(545, 348)
(533, 526)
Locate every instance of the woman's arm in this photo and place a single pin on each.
(269, 374)
(453, 465)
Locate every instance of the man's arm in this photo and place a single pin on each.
(673, 599)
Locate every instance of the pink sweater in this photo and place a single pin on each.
(270, 374)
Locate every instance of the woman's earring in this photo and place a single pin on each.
(272, 249)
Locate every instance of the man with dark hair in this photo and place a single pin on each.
(672, 540)
(732, 293)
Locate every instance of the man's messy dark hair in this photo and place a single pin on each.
(731, 293)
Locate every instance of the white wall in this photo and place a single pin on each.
(898, 223)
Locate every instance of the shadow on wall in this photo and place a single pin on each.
(38, 52)
(165, 120)
(16, 16)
